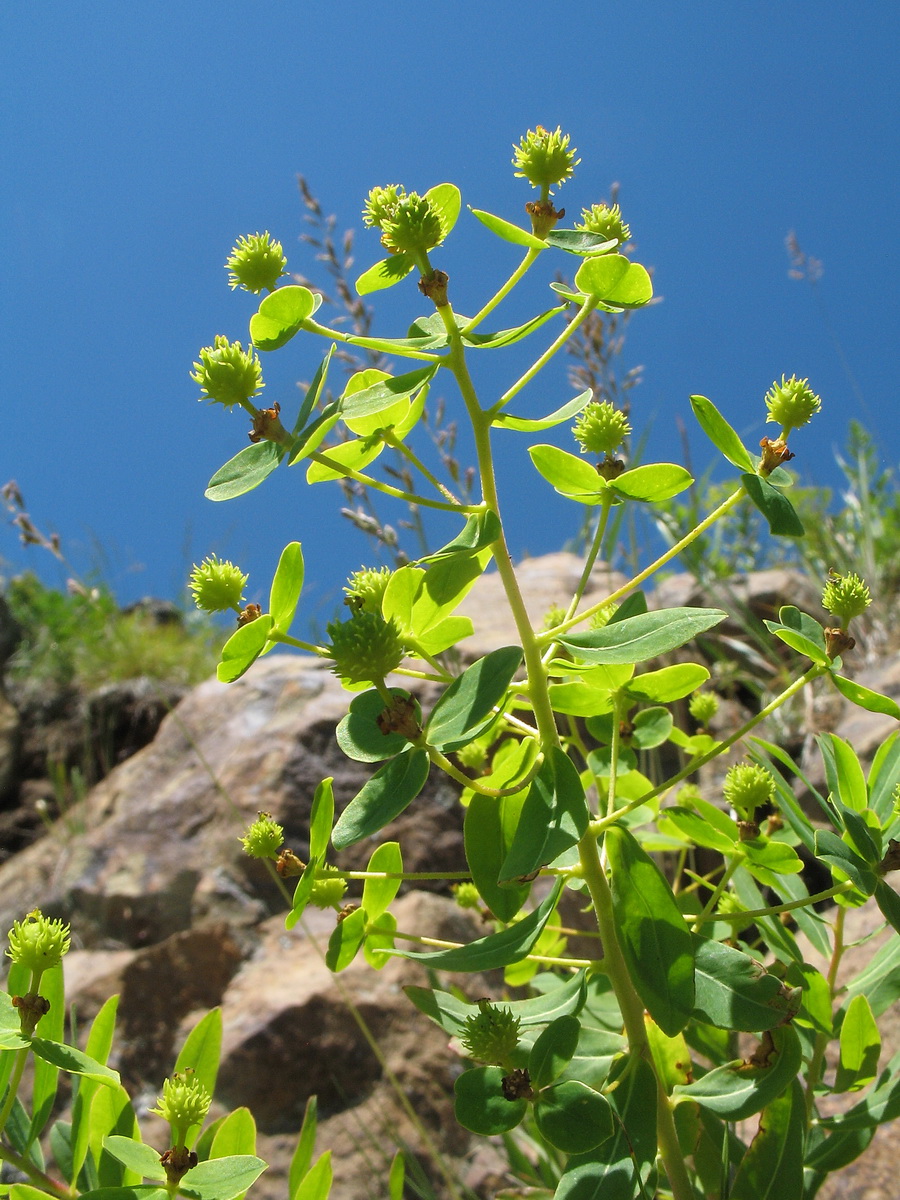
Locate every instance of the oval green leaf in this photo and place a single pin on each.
(638, 639)
(359, 734)
(614, 279)
(569, 475)
(384, 274)
(245, 471)
(573, 1117)
(390, 790)
(243, 648)
(720, 433)
(280, 316)
(286, 587)
(507, 231)
(553, 1051)
(468, 704)
(653, 482)
(480, 1105)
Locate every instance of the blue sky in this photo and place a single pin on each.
(141, 140)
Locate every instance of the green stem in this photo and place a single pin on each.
(35, 1174)
(13, 1087)
(710, 905)
(638, 579)
(789, 905)
(701, 759)
(583, 313)
(384, 345)
(596, 543)
(817, 1062)
(473, 785)
(388, 490)
(530, 257)
(402, 448)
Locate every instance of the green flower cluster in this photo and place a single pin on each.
(366, 587)
(748, 787)
(365, 648)
(217, 585)
(544, 158)
(256, 263)
(38, 942)
(491, 1035)
(409, 223)
(601, 428)
(606, 221)
(846, 597)
(184, 1102)
(791, 403)
(227, 374)
(264, 838)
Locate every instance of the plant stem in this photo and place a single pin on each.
(388, 489)
(384, 345)
(583, 313)
(530, 257)
(13, 1086)
(817, 1061)
(736, 861)
(402, 448)
(789, 905)
(440, 760)
(638, 579)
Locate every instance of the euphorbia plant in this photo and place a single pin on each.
(628, 1063)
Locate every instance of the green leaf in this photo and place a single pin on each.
(46, 1072)
(391, 789)
(243, 648)
(380, 939)
(444, 586)
(652, 482)
(614, 279)
(579, 241)
(467, 706)
(495, 950)
(864, 697)
(397, 1176)
(838, 1149)
(480, 1105)
(223, 1178)
(798, 642)
(141, 1159)
(651, 727)
(236, 1135)
(507, 231)
(655, 941)
(830, 849)
(553, 1051)
(638, 639)
(734, 991)
(286, 587)
(69, 1058)
(774, 506)
(889, 903)
(316, 1184)
(573, 1117)
(489, 827)
(772, 1168)
(321, 819)
(386, 392)
(505, 420)
(384, 274)
(451, 1013)
(446, 633)
(860, 1047)
(281, 314)
(482, 529)
(314, 392)
(346, 938)
(697, 829)
(310, 438)
(446, 202)
(306, 1144)
(508, 337)
(621, 1167)
(359, 734)
(569, 475)
(302, 892)
(349, 456)
(378, 894)
(767, 858)
(245, 471)
(553, 818)
(722, 436)
(739, 1089)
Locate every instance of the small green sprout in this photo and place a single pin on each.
(703, 706)
(256, 263)
(466, 895)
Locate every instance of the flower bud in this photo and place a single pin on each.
(466, 895)
(491, 1035)
(381, 204)
(845, 597)
(366, 587)
(414, 227)
(791, 403)
(264, 838)
(365, 648)
(227, 374)
(256, 263)
(748, 787)
(703, 706)
(544, 158)
(329, 888)
(217, 585)
(38, 942)
(606, 221)
(600, 428)
(183, 1103)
